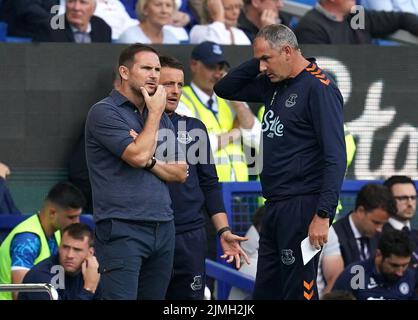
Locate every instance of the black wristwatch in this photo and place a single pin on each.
(152, 164)
(323, 214)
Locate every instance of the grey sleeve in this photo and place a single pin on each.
(332, 248)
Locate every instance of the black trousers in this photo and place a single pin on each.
(188, 279)
(281, 274)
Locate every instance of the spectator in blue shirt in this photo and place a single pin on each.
(80, 277)
(386, 275)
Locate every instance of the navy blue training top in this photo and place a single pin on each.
(201, 191)
(374, 286)
(7, 205)
(303, 131)
(119, 190)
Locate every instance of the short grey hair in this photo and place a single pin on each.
(278, 35)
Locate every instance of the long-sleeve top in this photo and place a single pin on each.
(7, 205)
(43, 272)
(217, 32)
(392, 5)
(201, 191)
(25, 17)
(374, 285)
(320, 27)
(303, 131)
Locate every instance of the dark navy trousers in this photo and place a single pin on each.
(281, 274)
(188, 278)
(135, 258)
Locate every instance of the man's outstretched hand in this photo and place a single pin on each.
(231, 248)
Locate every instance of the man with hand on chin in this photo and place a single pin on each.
(131, 201)
(201, 192)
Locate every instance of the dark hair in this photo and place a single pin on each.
(115, 76)
(338, 295)
(170, 62)
(127, 56)
(79, 231)
(258, 217)
(395, 242)
(66, 195)
(376, 196)
(397, 179)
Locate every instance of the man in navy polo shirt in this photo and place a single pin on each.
(132, 206)
(304, 158)
(386, 275)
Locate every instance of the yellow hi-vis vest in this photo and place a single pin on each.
(32, 224)
(230, 161)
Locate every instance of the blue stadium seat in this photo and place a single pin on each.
(18, 39)
(3, 31)
(88, 220)
(307, 2)
(130, 7)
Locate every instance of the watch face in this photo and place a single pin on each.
(323, 214)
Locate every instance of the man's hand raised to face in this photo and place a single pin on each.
(155, 103)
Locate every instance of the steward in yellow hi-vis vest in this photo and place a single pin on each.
(230, 161)
(222, 118)
(31, 225)
(39, 236)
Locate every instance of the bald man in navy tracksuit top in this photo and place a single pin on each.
(304, 157)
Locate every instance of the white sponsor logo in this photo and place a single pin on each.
(273, 124)
(404, 288)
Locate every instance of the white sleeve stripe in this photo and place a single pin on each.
(19, 268)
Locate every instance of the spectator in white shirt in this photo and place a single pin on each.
(153, 16)
(115, 15)
(222, 30)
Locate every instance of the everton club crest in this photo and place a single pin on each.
(184, 137)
